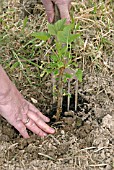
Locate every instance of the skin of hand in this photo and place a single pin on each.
(63, 6)
(16, 110)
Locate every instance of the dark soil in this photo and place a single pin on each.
(82, 140)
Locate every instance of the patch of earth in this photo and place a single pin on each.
(83, 140)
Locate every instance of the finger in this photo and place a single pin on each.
(24, 117)
(35, 129)
(35, 110)
(64, 13)
(49, 9)
(40, 123)
(19, 125)
(69, 6)
(24, 111)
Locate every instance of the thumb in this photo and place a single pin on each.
(48, 5)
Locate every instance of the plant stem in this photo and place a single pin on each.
(60, 93)
(53, 84)
(76, 94)
(68, 100)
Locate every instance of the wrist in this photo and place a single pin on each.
(5, 86)
(5, 95)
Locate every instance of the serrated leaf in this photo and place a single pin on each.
(41, 35)
(51, 29)
(65, 36)
(68, 28)
(72, 37)
(79, 75)
(59, 25)
(62, 37)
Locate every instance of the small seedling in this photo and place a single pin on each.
(62, 65)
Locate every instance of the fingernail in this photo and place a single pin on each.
(44, 134)
(47, 120)
(68, 21)
(52, 130)
(50, 19)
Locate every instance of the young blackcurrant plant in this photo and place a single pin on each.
(62, 65)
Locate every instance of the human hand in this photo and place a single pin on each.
(23, 115)
(19, 112)
(63, 6)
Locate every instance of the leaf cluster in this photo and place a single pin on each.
(61, 54)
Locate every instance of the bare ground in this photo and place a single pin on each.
(85, 140)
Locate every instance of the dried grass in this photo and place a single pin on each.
(94, 52)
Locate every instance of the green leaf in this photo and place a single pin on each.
(65, 36)
(24, 23)
(64, 49)
(72, 37)
(59, 25)
(53, 65)
(79, 75)
(41, 35)
(74, 63)
(48, 71)
(68, 75)
(68, 28)
(51, 29)
(62, 36)
(1, 20)
(77, 27)
(60, 64)
(56, 72)
(15, 65)
(54, 58)
(70, 56)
